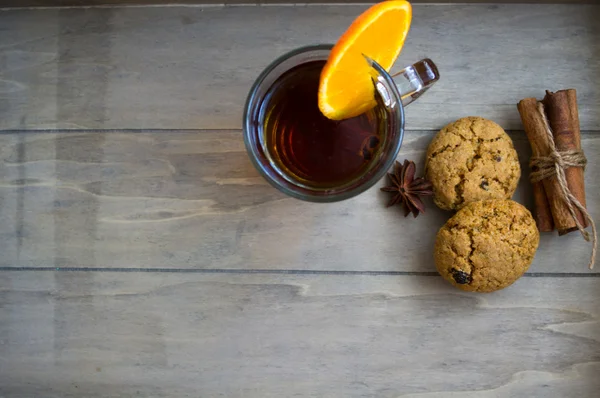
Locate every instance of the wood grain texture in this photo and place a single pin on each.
(109, 334)
(193, 200)
(191, 67)
(188, 208)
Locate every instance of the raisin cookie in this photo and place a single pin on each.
(471, 159)
(487, 245)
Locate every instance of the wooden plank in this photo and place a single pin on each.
(191, 67)
(193, 200)
(164, 335)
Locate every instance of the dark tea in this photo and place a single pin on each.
(308, 147)
(309, 157)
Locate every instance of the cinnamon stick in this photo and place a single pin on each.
(563, 117)
(536, 134)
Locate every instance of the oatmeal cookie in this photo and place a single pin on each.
(487, 245)
(471, 159)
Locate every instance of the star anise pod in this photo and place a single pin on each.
(407, 189)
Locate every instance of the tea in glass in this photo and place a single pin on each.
(307, 156)
(306, 146)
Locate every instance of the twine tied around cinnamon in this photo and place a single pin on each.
(554, 165)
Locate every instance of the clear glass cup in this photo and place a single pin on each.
(392, 94)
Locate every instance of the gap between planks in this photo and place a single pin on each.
(299, 4)
(167, 130)
(273, 271)
(291, 4)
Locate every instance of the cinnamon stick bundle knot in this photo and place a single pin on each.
(543, 166)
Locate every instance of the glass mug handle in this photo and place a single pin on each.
(411, 81)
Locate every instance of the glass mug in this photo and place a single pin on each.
(309, 157)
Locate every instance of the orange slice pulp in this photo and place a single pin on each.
(346, 89)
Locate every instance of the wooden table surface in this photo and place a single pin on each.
(142, 255)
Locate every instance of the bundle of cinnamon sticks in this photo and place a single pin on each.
(555, 118)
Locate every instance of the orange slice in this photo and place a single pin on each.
(346, 89)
